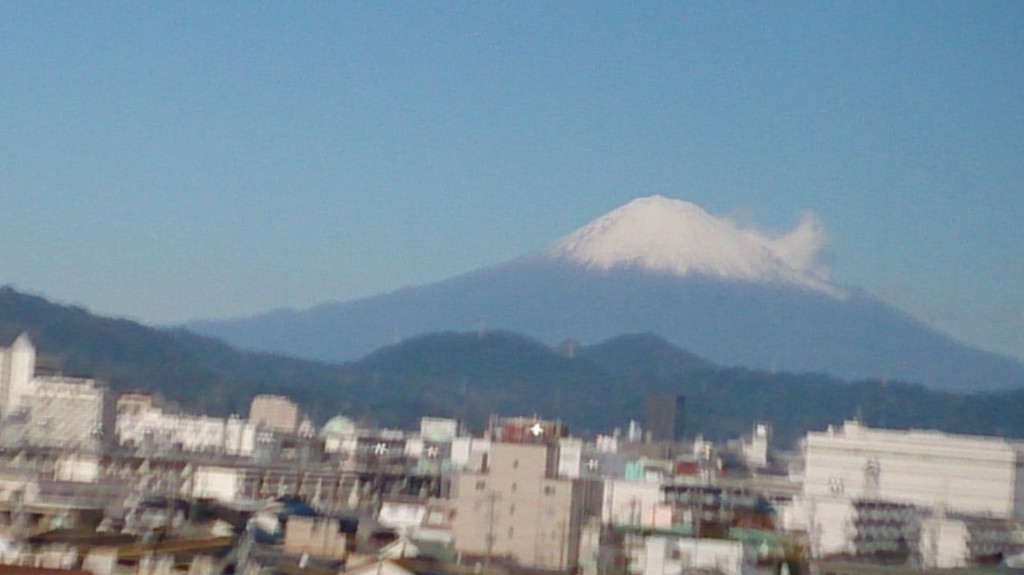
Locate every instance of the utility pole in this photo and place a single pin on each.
(492, 499)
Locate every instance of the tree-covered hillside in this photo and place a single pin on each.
(473, 375)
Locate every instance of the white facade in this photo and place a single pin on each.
(335, 443)
(944, 543)
(678, 555)
(64, 412)
(634, 503)
(149, 425)
(755, 449)
(78, 466)
(828, 522)
(403, 516)
(51, 411)
(469, 449)
(340, 435)
(438, 429)
(570, 457)
(964, 474)
(17, 368)
(220, 483)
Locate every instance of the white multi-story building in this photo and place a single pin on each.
(957, 473)
(65, 412)
(17, 368)
(50, 410)
(142, 424)
(855, 475)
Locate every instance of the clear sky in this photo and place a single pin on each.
(170, 161)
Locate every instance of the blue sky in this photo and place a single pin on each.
(177, 160)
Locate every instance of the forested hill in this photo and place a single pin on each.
(472, 375)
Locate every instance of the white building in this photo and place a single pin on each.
(637, 503)
(142, 424)
(221, 483)
(678, 555)
(828, 522)
(438, 429)
(570, 457)
(340, 435)
(17, 368)
(404, 515)
(944, 543)
(49, 410)
(467, 450)
(755, 448)
(962, 474)
(65, 412)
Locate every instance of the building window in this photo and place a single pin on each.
(835, 485)
(549, 490)
(481, 485)
(515, 464)
(511, 532)
(513, 488)
(512, 509)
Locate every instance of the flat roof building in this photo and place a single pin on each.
(965, 474)
(274, 412)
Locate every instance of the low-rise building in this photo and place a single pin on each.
(146, 426)
(317, 536)
(664, 555)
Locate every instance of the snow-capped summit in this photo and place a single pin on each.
(665, 235)
(767, 304)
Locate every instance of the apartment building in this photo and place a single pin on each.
(275, 413)
(513, 504)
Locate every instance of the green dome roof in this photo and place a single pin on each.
(338, 425)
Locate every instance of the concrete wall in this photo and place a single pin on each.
(518, 508)
(972, 475)
(675, 555)
(631, 502)
(220, 483)
(944, 543)
(318, 536)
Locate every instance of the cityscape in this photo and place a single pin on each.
(101, 483)
(512, 288)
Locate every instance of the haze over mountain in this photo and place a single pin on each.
(734, 295)
(472, 375)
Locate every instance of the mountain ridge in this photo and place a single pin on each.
(773, 327)
(732, 294)
(473, 374)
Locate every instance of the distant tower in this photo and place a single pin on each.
(665, 420)
(17, 368)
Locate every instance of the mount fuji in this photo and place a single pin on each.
(734, 295)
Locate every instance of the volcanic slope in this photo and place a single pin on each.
(734, 295)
